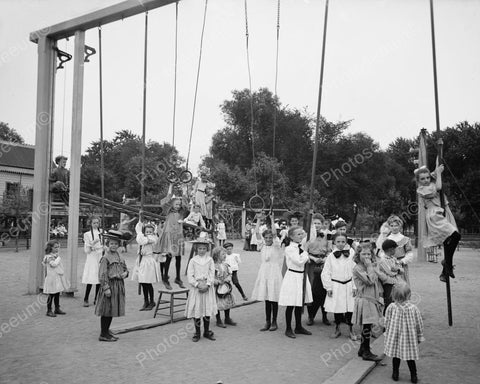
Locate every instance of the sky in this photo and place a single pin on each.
(378, 66)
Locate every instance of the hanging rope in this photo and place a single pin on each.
(275, 99)
(144, 127)
(256, 196)
(196, 84)
(102, 149)
(64, 97)
(175, 76)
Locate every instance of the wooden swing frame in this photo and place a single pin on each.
(46, 39)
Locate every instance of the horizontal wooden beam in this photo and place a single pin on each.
(101, 17)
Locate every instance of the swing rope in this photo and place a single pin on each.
(275, 100)
(175, 76)
(196, 84)
(317, 124)
(144, 126)
(64, 97)
(102, 149)
(251, 99)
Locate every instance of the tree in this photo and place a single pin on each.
(123, 171)
(10, 134)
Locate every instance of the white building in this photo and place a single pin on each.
(16, 166)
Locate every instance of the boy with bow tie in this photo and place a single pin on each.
(337, 279)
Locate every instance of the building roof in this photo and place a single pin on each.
(17, 155)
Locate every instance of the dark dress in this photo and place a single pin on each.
(109, 276)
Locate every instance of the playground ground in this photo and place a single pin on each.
(38, 349)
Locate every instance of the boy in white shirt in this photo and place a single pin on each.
(233, 259)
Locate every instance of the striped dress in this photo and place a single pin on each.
(403, 331)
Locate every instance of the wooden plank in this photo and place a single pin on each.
(101, 17)
(43, 134)
(75, 159)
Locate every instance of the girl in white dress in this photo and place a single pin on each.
(93, 247)
(147, 269)
(337, 280)
(404, 250)
(269, 278)
(55, 281)
(295, 290)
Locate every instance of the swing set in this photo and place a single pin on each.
(48, 53)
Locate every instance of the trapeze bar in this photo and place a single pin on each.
(98, 18)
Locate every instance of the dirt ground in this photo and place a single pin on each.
(38, 349)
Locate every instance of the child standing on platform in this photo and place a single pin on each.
(295, 291)
(195, 217)
(93, 247)
(147, 269)
(223, 287)
(269, 278)
(337, 279)
(55, 281)
(201, 302)
(317, 248)
(403, 331)
(233, 259)
(172, 243)
(368, 303)
(111, 297)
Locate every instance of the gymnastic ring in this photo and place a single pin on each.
(172, 176)
(256, 197)
(185, 177)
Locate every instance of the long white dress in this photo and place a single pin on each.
(94, 254)
(291, 292)
(341, 270)
(269, 278)
(201, 268)
(148, 269)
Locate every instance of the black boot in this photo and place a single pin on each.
(266, 327)
(396, 368)
(228, 320)
(324, 317)
(367, 353)
(206, 329)
(413, 371)
(145, 305)
(196, 336)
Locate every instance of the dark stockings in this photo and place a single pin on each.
(237, 283)
(55, 297)
(166, 266)
(271, 311)
(411, 366)
(88, 289)
(298, 317)
(105, 323)
(450, 245)
(147, 292)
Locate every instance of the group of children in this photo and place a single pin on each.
(360, 283)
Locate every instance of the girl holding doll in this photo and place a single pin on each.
(404, 250)
(441, 226)
(223, 287)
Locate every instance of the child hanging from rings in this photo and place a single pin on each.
(172, 242)
(146, 270)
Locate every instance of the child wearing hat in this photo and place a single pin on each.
(201, 302)
(111, 296)
(232, 260)
(223, 287)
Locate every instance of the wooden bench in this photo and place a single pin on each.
(169, 304)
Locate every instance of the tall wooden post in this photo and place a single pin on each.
(244, 220)
(43, 144)
(421, 220)
(75, 160)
